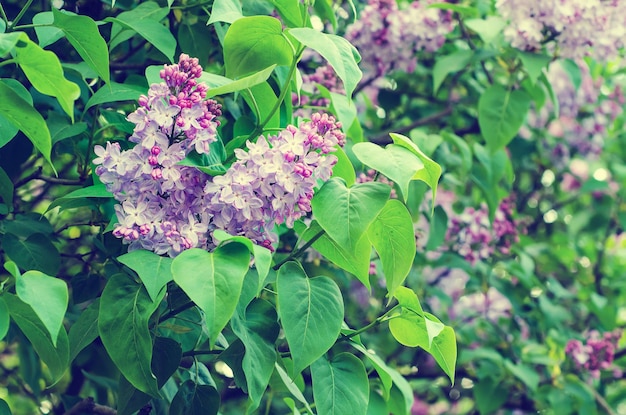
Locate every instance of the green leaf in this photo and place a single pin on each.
(8, 42)
(448, 64)
(346, 213)
(409, 327)
(56, 358)
(534, 64)
(4, 319)
(262, 255)
(6, 189)
(23, 116)
(114, 92)
(394, 161)
(243, 83)
(193, 398)
(292, 387)
(393, 236)
(438, 229)
(488, 29)
(4, 408)
(154, 270)
(258, 330)
(34, 253)
(431, 172)
(443, 350)
(32, 287)
(61, 128)
(125, 308)
(339, 53)
(525, 373)
(573, 70)
(465, 154)
(213, 281)
(260, 96)
(8, 129)
(151, 30)
(290, 12)
(355, 260)
(501, 113)
(97, 190)
(85, 330)
(43, 69)
(254, 43)
(311, 311)
(344, 168)
(340, 386)
(82, 32)
(490, 395)
(226, 11)
(553, 97)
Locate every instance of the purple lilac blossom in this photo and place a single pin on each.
(388, 37)
(571, 28)
(596, 353)
(166, 207)
(310, 94)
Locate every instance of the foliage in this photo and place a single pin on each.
(285, 206)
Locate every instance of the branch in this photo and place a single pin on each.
(88, 406)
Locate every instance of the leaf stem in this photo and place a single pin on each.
(3, 14)
(176, 311)
(20, 15)
(202, 352)
(376, 322)
(299, 251)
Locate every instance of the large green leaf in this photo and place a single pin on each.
(431, 172)
(56, 358)
(258, 330)
(4, 319)
(501, 113)
(213, 281)
(145, 21)
(193, 398)
(355, 260)
(340, 385)
(34, 253)
(43, 69)
(346, 213)
(114, 92)
(453, 63)
(22, 115)
(311, 311)
(488, 29)
(85, 330)
(154, 270)
(8, 129)
(47, 296)
(243, 83)
(253, 44)
(291, 12)
(82, 32)
(125, 308)
(393, 236)
(226, 11)
(339, 53)
(394, 161)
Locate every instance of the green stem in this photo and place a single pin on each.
(30, 26)
(3, 14)
(20, 15)
(201, 352)
(299, 251)
(7, 62)
(379, 320)
(176, 311)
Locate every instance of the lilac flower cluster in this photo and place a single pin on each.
(389, 37)
(585, 114)
(596, 353)
(167, 207)
(471, 235)
(273, 182)
(579, 28)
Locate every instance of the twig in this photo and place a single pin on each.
(88, 406)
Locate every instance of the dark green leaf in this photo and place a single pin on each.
(154, 270)
(213, 281)
(114, 92)
(340, 386)
(125, 308)
(253, 44)
(85, 330)
(6, 189)
(34, 253)
(501, 113)
(438, 229)
(311, 311)
(151, 30)
(4, 319)
(4, 408)
(98, 190)
(195, 399)
(82, 32)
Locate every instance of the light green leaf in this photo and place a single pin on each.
(346, 213)
(438, 229)
(292, 387)
(448, 64)
(46, 33)
(340, 386)
(154, 270)
(394, 161)
(8, 129)
(243, 83)
(213, 281)
(226, 11)
(444, 351)
(125, 308)
(254, 43)
(97, 190)
(114, 92)
(525, 373)
(344, 167)
(501, 113)
(534, 64)
(409, 327)
(43, 69)
(23, 116)
(355, 260)
(339, 53)
(85, 330)
(82, 32)
(392, 235)
(56, 358)
(488, 29)
(311, 311)
(290, 11)
(4, 319)
(431, 172)
(32, 287)
(8, 42)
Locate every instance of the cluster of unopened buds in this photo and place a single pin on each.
(167, 207)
